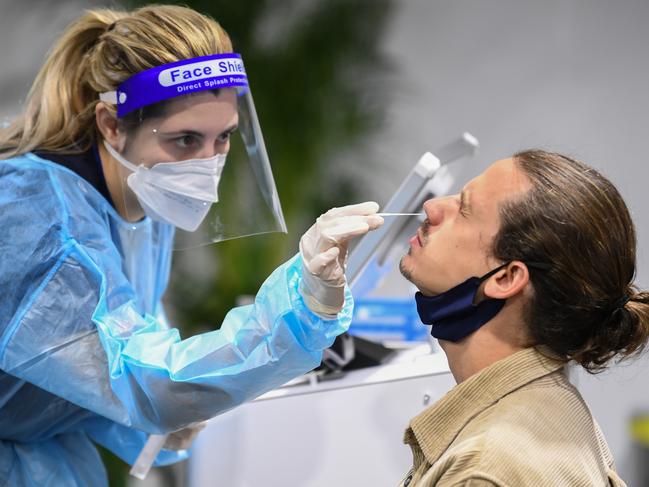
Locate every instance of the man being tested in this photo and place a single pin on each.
(530, 267)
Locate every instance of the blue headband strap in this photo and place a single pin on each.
(178, 78)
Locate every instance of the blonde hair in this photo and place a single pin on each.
(95, 54)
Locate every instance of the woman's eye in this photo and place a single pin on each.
(186, 141)
(224, 137)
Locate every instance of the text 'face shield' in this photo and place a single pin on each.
(191, 153)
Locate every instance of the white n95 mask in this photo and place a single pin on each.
(178, 193)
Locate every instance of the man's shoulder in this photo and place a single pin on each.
(549, 407)
(547, 417)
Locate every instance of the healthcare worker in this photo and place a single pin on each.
(119, 157)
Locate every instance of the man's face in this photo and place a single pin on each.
(454, 242)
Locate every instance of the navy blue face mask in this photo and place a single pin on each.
(454, 315)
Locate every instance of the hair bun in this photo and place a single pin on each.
(620, 303)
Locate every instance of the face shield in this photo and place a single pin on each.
(190, 152)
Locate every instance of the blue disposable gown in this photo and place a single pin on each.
(84, 355)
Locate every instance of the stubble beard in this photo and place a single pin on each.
(405, 272)
(402, 268)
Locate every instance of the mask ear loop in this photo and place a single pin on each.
(128, 165)
(493, 271)
(535, 265)
(483, 279)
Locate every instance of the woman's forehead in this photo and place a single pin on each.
(206, 110)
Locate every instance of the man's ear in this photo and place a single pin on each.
(107, 124)
(507, 282)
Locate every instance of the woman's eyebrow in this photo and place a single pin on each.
(231, 128)
(183, 131)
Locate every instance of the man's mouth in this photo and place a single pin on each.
(417, 240)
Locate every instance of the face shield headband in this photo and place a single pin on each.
(176, 79)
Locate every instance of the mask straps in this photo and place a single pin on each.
(493, 271)
(119, 158)
(542, 266)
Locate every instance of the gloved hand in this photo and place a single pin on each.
(182, 439)
(324, 254)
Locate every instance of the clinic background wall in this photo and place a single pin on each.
(27, 29)
(569, 75)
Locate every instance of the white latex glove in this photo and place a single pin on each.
(324, 254)
(182, 439)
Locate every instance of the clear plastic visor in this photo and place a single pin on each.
(198, 162)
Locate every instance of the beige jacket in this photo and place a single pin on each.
(519, 422)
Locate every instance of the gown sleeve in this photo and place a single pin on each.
(70, 323)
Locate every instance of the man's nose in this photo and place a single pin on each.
(437, 208)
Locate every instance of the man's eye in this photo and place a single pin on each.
(462, 209)
(462, 206)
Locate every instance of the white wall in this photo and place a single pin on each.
(27, 30)
(569, 75)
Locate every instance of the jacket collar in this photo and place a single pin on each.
(433, 430)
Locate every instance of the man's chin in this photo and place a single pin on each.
(405, 272)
